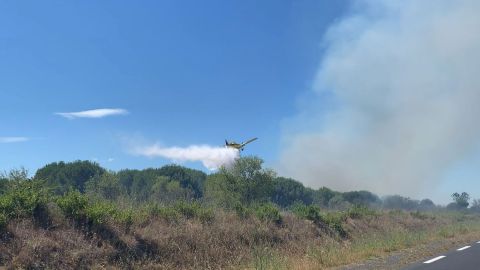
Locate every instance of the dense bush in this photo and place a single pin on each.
(73, 204)
(188, 210)
(100, 212)
(268, 212)
(77, 206)
(3, 221)
(334, 220)
(310, 212)
(359, 211)
(166, 213)
(23, 199)
(242, 211)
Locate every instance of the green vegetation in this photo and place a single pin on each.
(268, 212)
(63, 176)
(460, 201)
(23, 199)
(154, 214)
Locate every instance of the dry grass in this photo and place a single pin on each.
(226, 242)
(66, 248)
(378, 236)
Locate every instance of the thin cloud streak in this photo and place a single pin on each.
(13, 139)
(96, 113)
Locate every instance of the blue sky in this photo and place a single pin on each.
(198, 72)
(188, 72)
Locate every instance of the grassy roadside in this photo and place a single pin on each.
(71, 231)
(379, 238)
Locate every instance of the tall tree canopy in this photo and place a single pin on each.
(63, 176)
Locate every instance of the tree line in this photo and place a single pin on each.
(246, 183)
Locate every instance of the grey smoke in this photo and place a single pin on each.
(403, 85)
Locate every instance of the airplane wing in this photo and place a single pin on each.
(249, 141)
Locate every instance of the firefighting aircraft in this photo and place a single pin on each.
(238, 146)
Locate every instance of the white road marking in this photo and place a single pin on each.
(435, 259)
(478, 242)
(463, 248)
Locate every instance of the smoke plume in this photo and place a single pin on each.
(397, 98)
(211, 157)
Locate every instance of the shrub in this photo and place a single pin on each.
(310, 212)
(268, 212)
(167, 213)
(206, 215)
(99, 212)
(73, 204)
(7, 206)
(242, 211)
(419, 215)
(3, 221)
(194, 210)
(22, 200)
(359, 211)
(126, 217)
(334, 221)
(188, 210)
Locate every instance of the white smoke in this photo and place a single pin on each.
(404, 79)
(211, 157)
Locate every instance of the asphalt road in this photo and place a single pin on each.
(464, 258)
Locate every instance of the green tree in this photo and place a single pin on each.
(461, 199)
(323, 195)
(475, 205)
(426, 204)
(222, 190)
(64, 176)
(167, 190)
(244, 182)
(188, 178)
(399, 202)
(142, 184)
(338, 202)
(106, 186)
(362, 197)
(24, 198)
(287, 191)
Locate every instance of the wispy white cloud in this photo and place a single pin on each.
(13, 139)
(96, 113)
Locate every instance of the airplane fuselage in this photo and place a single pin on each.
(238, 146)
